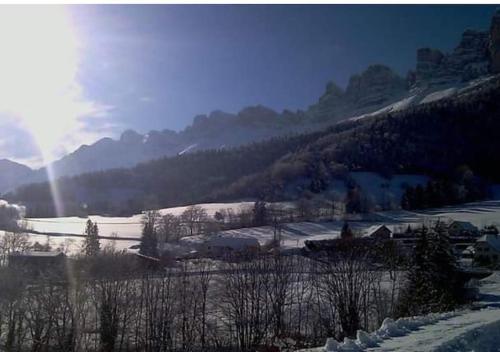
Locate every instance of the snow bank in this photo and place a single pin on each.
(366, 340)
(389, 329)
(484, 338)
(331, 345)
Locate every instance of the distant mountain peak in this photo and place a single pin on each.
(131, 136)
(13, 164)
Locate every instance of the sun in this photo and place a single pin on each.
(40, 56)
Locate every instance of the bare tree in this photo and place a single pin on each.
(193, 219)
(12, 242)
(170, 228)
(244, 303)
(347, 278)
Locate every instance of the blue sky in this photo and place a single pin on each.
(157, 66)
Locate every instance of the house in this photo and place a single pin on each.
(462, 228)
(487, 250)
(490, 230)
(38, 262)
(378, 232)
(330, 246)
(220, 244)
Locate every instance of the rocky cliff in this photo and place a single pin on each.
(476, 55)
(375, 87)
(469, 60)
(494, 44)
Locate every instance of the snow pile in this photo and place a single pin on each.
(331, 345)
(389, 329)
(484, 338)
(366, 340)
(350, 345)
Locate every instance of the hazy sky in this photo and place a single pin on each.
(94, 71)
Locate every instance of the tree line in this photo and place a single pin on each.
(111, 301)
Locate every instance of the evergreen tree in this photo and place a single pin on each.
(149, 239)
(408, 199)
(418, 290)
(446, 278)
(346, 232)
(259, 213)
(433, 282)
(91, 244)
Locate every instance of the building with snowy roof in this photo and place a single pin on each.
(37, 262)
(462, 228)
(487, 249)
(220, 244)
(378, 232)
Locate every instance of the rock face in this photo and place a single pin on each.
(428, 64)
(469, 60)
(476, 55)
(375, 87)
(494, 44)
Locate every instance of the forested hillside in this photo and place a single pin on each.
(436, 139)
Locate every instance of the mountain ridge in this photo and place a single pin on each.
(376, 88)
(436, 139)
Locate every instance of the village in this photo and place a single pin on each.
(206, 237)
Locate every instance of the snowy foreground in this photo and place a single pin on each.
(471, 329)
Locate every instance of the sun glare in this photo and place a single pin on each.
(38, 70)
(38, 78)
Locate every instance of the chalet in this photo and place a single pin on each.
(487, 249)
(220, 244)
(378, 232)
(490, 230)
(38, 262)
(329, 246)
(461, 229)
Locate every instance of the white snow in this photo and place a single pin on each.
(475, 329)
(441, 94)
(187, 149)
(399, 105)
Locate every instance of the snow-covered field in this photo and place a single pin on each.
(126, 229)
(475, 329)
(478, 213)
(293, 235)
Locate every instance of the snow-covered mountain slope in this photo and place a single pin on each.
(431, 94)
(476, 329)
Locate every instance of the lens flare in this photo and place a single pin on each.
(38, 85)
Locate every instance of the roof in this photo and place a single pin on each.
(237, 242)
(493, 241)
(372, 229)
(464, 225)
(38, 254)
